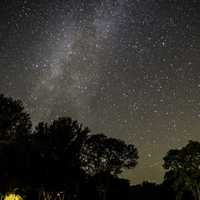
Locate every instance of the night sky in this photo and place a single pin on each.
(127, 68)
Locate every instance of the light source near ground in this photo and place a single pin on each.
(12, 196)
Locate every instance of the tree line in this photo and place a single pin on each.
(63, 160)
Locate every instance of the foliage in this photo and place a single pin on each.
(64, 156)
(183, 169)
(61, 139)
(55, 147)
(103, 154)
(15, 123)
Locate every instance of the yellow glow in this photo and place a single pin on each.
(13, 196)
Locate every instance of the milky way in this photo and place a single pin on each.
(126, 68)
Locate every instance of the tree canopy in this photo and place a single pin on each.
(15, 122)
(62, 155)
(183, 169)
(103, 154)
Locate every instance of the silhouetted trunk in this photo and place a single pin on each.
(179, 195)
(196, 192)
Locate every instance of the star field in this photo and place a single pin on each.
(127, 68)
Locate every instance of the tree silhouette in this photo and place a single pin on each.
(103, 154)
(184, 169)
(59, 157)
(63, 151)
(104, 186)
(15, 129)
(148, 190)
(15, 123)
(55, 156)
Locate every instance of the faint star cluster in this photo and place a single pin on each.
(127, 68)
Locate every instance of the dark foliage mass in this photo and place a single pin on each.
(63, 160)
(15, 123)
(184, 170)
(102, 154)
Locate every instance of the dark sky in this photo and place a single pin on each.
(127, 68)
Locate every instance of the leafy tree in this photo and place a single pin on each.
(183, 169)
(64, 138)
(103, 154)
(58, 155)
(15, 129)
(64, 152)
(56, 149)
(15, 123)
